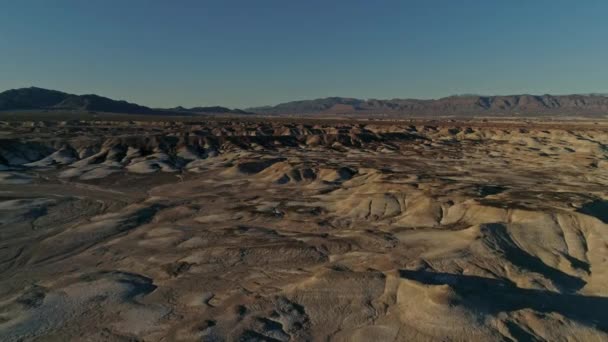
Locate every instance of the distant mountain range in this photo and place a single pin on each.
(34, 98)
(454, 105)
(461, 105)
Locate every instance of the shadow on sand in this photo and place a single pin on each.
(597, 209)
(491, 296)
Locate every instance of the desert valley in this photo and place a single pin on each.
(285, 229)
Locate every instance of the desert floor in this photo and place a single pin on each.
(292, 230)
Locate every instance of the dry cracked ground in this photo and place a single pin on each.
(240, 230)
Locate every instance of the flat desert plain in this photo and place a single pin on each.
(299, 230)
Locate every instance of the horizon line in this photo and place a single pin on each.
(601, 94)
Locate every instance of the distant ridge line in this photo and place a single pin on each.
(592, 104)
(34, 98)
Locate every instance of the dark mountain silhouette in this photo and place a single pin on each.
(34, 98)
(38, 98)
(453, 105)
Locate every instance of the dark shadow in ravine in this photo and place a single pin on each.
(597, 209)
(491, 296)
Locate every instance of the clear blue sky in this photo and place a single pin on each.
(246, 53)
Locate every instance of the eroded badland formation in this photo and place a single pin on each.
(297, 230)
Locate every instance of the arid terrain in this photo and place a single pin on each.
(302, 230)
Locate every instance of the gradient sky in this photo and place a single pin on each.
(248, 53)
